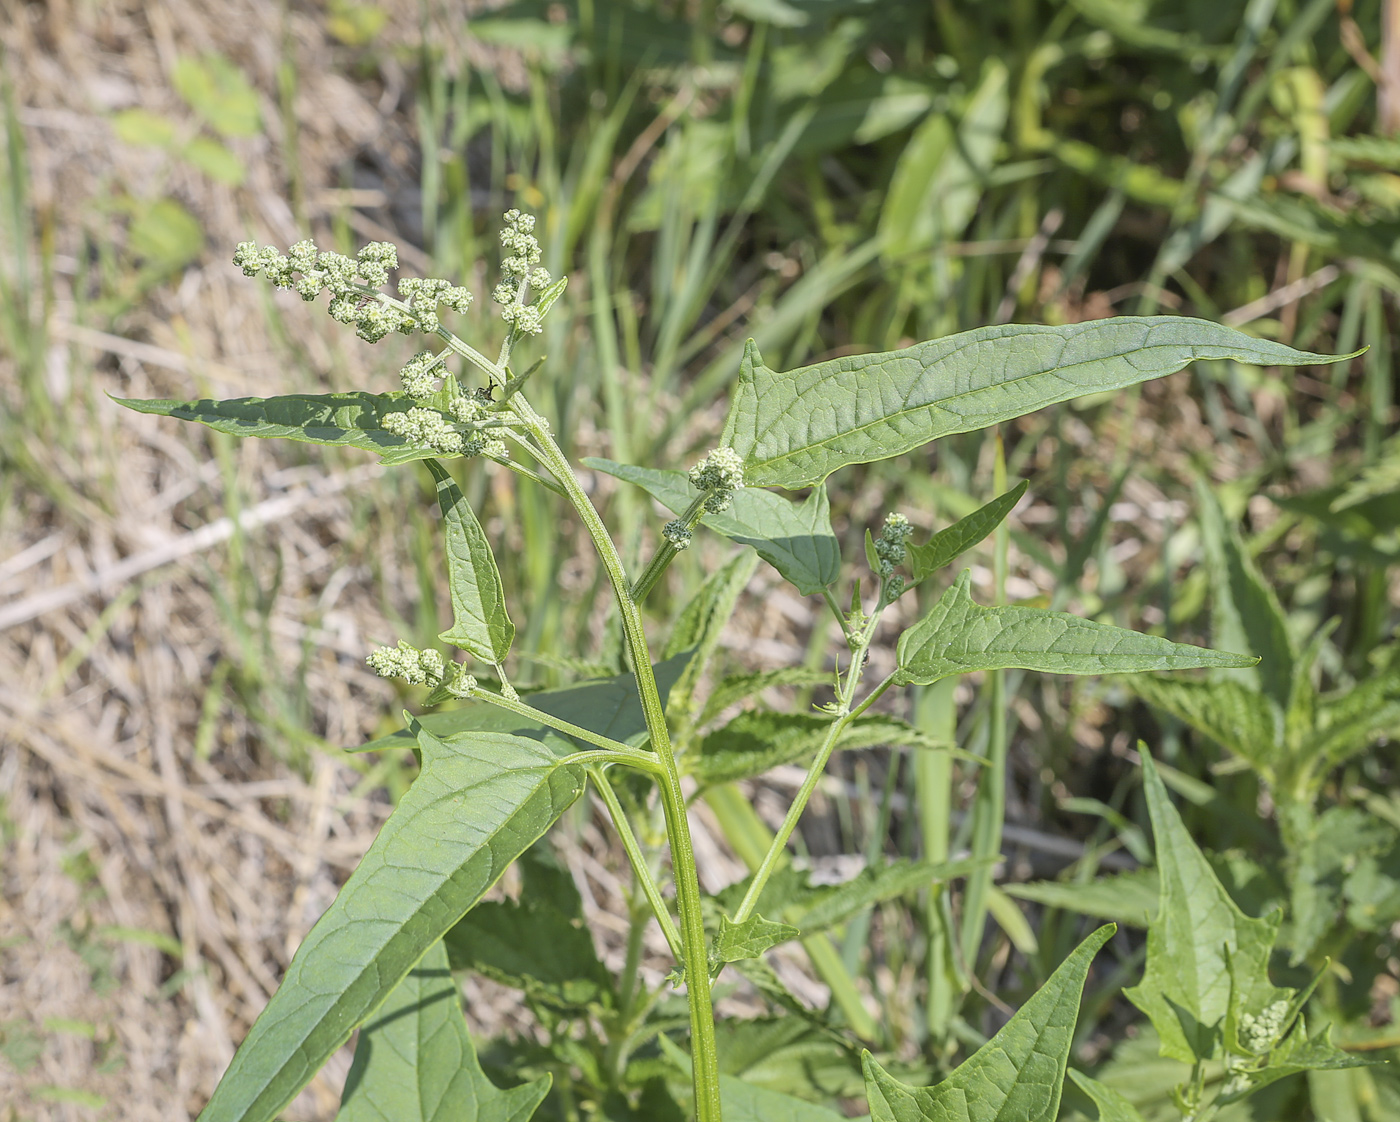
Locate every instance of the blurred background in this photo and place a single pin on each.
(184, 617)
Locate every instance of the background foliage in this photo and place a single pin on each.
(827, 177)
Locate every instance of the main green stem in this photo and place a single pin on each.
(704, 1059)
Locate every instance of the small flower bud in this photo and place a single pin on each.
(677, 533)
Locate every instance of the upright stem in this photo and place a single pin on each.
(704, 1060)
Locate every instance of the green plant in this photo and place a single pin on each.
(496, 773)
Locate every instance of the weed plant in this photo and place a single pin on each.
(500, 768)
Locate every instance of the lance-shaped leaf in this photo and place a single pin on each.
(959, 637)
(1198, 936)
(1245, 613)
(736, 941)
(1113, 1107)
(1229, 712)
(1017, 1076)
(827, 906)
(480, 625)
(356, 419)
(949, 544)
(1128, 898)
(795, 538)
(758, 740)
(795, 429)
(609, 707)
(479, 802)
(415, 1061)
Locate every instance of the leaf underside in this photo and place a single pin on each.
(1017, 1076)
(356, 419)
(795, 429)
(959, 637)
(415, 1061)
(479, 802)
(795, 538)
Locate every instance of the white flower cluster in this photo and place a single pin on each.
(520, 271)
(424, 295)
(677, 533)
(417, 668)
(721, 473)
(1260, 1033)
(418, 375)
(422, 668)
(425, 426)
(311, 271)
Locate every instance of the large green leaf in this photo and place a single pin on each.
(1245, 613)
(743, 1102)
(609, 707)
(1230, 713)
(795, 538)
(1113, 1107)
(795, 429)
(479, 802)
(355, 419)
(949, 544)
(480, 624)
(415, 1061)
(757, 741)
(1198, 932)
(1017, 1076)
(959, 637)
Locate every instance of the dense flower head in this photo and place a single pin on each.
(408, 663)
(418, 375)
(719, 474)
(520, 272)
(425, 426)
(1259, 1033)
(889, 546)
(677, 533)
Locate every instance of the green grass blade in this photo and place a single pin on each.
(477, 805)
(795, 429)
(959, 637)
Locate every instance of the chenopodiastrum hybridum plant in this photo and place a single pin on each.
(500, 769)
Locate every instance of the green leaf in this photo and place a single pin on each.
(740, 687)
(1128, 898)
(776, 12)
(759, 740)
(1236, 717)
(216, 90)
(1352, 720)
(535, 948)
(336, 418)
(480, 625)
(166, 236)
(949, 544)
(743, 1102)
(415, 1062)
(749, 939)
(959, 637)
(1245, 613)
(789, 1055)
(822, 908)
(795, 538)
(795, 429)
(1017, 1076)
(140, 126)
(479, 802)
(1199, 930)
(215, 160)
(609, 707)
(1113, 1107)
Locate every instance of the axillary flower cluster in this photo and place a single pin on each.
(441, 414)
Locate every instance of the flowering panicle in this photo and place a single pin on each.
(422, 668)
(889, 546)
(520, 271)
(720, 474)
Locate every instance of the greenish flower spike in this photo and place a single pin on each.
(889, 546)
(409, 664)
(520, 272)
(426, 426)
(1260, 1033)
(720, 474)
(677, 533)
(419, 376)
